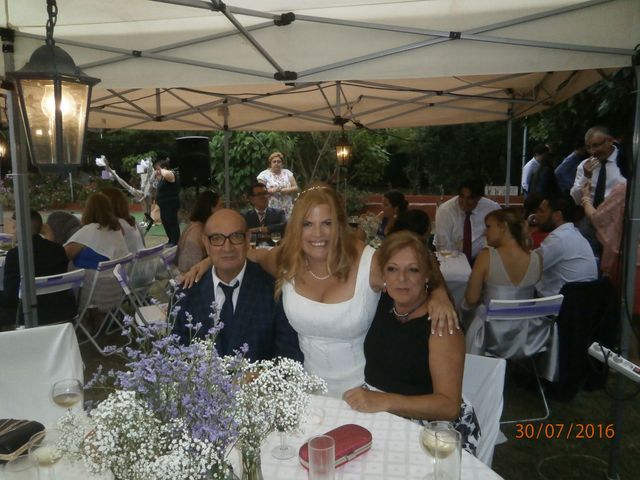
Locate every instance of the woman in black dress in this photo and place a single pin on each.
(168, 199)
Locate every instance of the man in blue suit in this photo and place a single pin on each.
(253, 316)
(262, 219)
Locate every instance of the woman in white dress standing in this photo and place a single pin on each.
(280, 183)
(330, 287)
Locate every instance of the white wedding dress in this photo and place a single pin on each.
(332, 335)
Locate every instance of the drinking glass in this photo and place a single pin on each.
(20, 468)
(67, 392)
(45, 452)
(444, 246)
(322, 458)
(284, 451)
(276, 237)
(448, 453)
(253, 240)
(428, 437)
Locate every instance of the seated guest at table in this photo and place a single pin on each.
(409, 372)
(49, 258)
(59, 227)
(190, 247)
(261, 218)
(536, 234)
(566, 254)
(100, 238)
(120, 204)
(460, 220)
(393, 204)
(505, 270)
(251, 315)
(416, 221)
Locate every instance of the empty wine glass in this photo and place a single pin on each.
(428, 438)
(45, 451)
(276, 237)
(284, 451)
(67, 392)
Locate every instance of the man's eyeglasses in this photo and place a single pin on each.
(591, 146)
(218, 239)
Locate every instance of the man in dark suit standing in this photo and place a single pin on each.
(243, 293)
(49, 258)
(262, 219)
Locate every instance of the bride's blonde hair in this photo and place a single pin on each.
(292, 261)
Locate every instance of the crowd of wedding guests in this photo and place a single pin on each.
(378, 325)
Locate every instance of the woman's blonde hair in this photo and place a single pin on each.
(513, 219)
(292, 261)
(274, 155)
(98, 209)
(405, 239)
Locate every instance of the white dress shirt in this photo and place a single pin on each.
(527, 173)
(219, 293)
(566, 257)
(450, 222)
(614, 176)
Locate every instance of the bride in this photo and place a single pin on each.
(330, 287)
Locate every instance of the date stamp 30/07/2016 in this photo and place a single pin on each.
(566, 431)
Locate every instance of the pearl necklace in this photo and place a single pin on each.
(317, 277)
(404, 317)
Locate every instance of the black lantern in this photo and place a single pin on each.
(54, 98)
(343, 151)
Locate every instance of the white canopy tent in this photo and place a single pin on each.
(296, 65)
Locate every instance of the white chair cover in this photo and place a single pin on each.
(482, 385)
(34, 359)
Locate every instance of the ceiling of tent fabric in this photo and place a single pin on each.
(301, 65)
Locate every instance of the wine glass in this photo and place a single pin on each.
(45, 451)
(67, 392)
(284, 451)
(428, 437)
(253, 240)
(276, 237)
(20, 468)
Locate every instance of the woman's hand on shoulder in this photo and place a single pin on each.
(195, 273)
(364, 400)
(442, 313)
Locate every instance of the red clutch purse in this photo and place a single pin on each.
(351, 441)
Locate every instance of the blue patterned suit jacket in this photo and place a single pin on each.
(259, 321)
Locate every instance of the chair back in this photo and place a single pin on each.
(482, 386)
(169, 255)
(144, 268)
(499, 310)
(101, 289)
(39, 357)
(123, 279)
(59, 283)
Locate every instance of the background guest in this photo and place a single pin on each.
(168, 199)
(393, 204)
(566, 171)
(60, 225)
(49, 258)
(460, 220)
(262, 219)
(100, 237)
(120, 204)
(543, 181)
(280, 183)
(191, 249)
(409, 372)
(531, 205)
(505, 270)
(531, 166)
(416, 221)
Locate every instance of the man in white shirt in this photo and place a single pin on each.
(460, 220)
(566, 254)
(530, 168)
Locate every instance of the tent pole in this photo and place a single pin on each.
(23, 218)
(524, 149)
(629, 254)
(227, 133)
(507, 183)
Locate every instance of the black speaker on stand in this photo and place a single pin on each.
(194, 161)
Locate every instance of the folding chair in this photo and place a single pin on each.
(483, 386)
(69, 281)
(102, 291)
(522, 329)
(144, 314)
(168, 256)
(142, 274)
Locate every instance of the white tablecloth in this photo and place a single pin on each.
(395, 454)
(456, 271)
